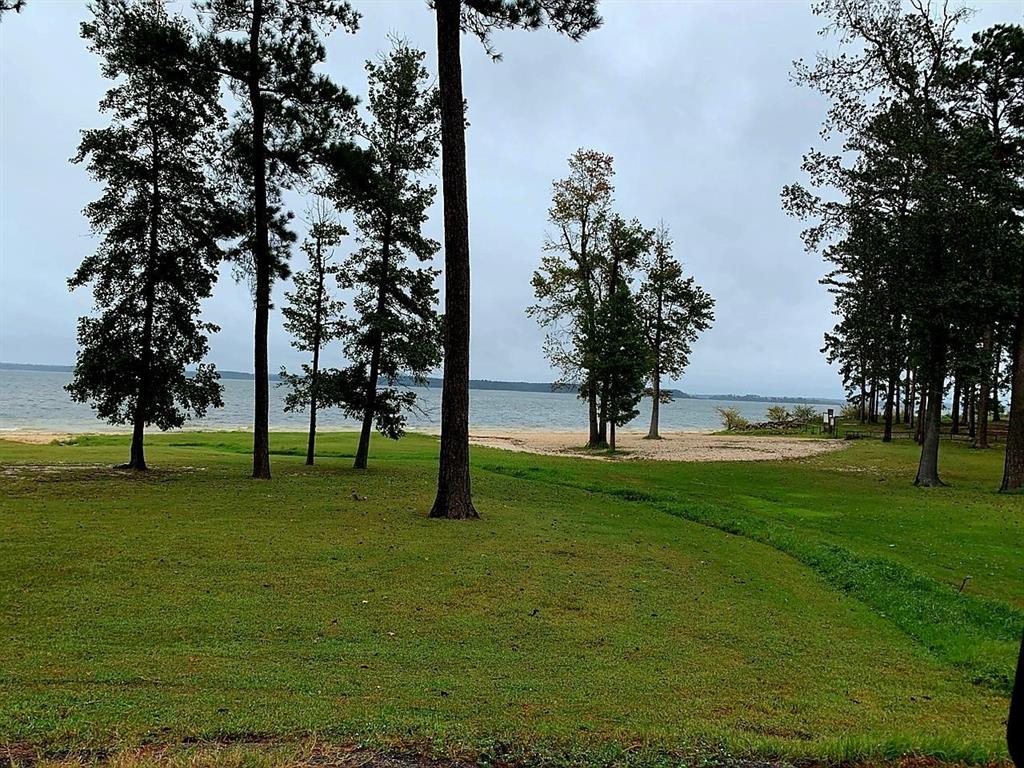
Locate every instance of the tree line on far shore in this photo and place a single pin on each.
(916, 201)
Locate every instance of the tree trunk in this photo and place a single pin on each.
(261, 257)
(863, 401)
(652, 433)
(994, 391)
(454, 499)
(137, 458)
(954, 427)
(931, 417)
(923, 404)
(370, 407)
(890, 397)
(314, 379)
(592, 439)
(972, 418)
(908, 400)
(984, 391)
(1013, 467)
(611, 435)
(602, 420)
(896, 393)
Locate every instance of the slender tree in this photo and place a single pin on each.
(569, 284)
(160, 219)
(675, 311)
(397, 329)
(288, 115)
(313, 315)
(571, 17)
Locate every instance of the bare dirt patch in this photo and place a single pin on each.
(674, 446)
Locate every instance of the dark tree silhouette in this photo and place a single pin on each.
(288, 116)
(569, 284)
(571, 17)
(624, 361)
(675, 311)
(919, 175)
(160, 218)
(313, 315)
(11, 5)
(397, 330)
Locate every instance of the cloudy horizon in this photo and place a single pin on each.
(693, 100)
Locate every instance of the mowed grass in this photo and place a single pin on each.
(598, 612)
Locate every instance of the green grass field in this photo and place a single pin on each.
(598, 612)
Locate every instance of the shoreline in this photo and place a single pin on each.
(674, 445)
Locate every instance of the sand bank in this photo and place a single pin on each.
(674, 446)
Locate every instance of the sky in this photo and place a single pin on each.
(693, 100)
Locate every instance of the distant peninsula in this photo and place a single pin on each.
(490, 384)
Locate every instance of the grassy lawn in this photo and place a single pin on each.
(597, 612)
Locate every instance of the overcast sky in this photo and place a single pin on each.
(693, 100)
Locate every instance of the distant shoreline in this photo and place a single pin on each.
(494, 385)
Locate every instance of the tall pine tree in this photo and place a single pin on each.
(675, 311)
(288, 117)
(313, 315)
(571, 17)
(159, 219)
(397, 328)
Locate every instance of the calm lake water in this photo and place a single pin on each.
(36, 400)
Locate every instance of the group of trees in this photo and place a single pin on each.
(916, 202)
(186, 186)
(395, 328)
(612, 341)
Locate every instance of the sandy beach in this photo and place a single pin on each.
(674, 446)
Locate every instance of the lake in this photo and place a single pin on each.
(36, 400)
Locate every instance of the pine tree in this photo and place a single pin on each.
(479, 17)
(397, 330)
(624, 361)
(288, 117)
(312, 315)
(910, 161)
(675, 311)
(160, 219)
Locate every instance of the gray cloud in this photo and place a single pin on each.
(692, 99)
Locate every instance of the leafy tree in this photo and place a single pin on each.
(624, 364)
(778, 413)
(732, 418)
(160, 219)
(569, 285)
(313, 315)
(397, 329)
(620, 348)
(675, 311)
(573, 18)
(804, 414)
(917, 170)
(11, 5)
(287, 118)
